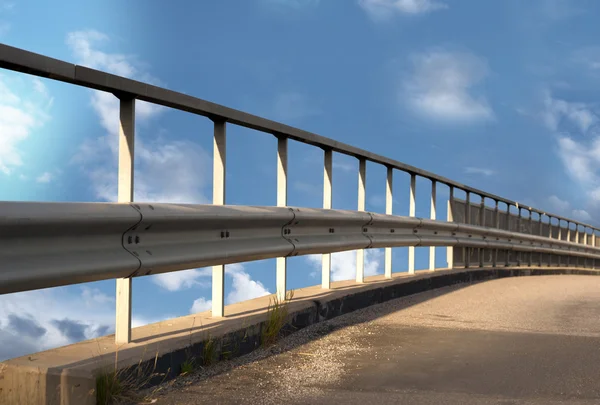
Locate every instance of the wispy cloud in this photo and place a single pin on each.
(557, 113)
(45, 177)
(443, 84)
(343, 264)
(243, 288)
(479, 170)
(19, 118)
(563, 207)
(382, 10)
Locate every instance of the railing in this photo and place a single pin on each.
(50, 244)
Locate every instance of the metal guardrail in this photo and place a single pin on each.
(50, 244)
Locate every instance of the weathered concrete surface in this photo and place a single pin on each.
(526, 340)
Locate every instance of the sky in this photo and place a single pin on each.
(499, 95)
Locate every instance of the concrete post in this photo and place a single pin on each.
(519, 253)
(507, 256)
(432, 212)
(412, 210)
(362, 184)
(559, 238)
(497, 226)
(327, 198)
(389, 198)
(125, 195)
(219, 161)
(282, 165)
(550, 236)
(531, 232)
(481, 251)
(450, 249)
(467, 251)
(540, 232)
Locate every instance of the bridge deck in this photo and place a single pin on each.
(525, 340)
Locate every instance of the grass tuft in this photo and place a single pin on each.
(276, 317)
(209, 351)
(123, 385)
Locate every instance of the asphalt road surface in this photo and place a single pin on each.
(525, 340)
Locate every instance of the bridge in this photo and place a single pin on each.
(46, 245)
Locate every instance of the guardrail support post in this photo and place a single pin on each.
(559, 238)
(450, 249)
(467, 251)
(219, 162)
(282, 159)
(508, 216)
(497, 226)
(569, 239)
(530, 232)
(519, 253)
(389, 199)
(432, 216)
(585, 242)
(327, 197)
(125, 195)
(540, 215)
(412, 210)
(481, 251)
(594, 245)
(362, 184)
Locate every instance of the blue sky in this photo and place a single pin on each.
(501, 95)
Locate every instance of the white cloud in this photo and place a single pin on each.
(442, 86)
(19, 118)
(479, 170)
(556, 111)
(39, 320)
(243, 288)
(581, 215)
(563, 207)
(180, 280)
(200, 305)
(45, 177)
(166, 171)
(343, 264)
(385, 9)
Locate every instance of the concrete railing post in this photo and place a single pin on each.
(481, 251)
(412, 211)
(389, 199)
(467, 251)
(540, 233)
(432, 212)
(125, 195)
(219, 162)
(450, 215)
(531, 233)
(519, 253)
(508, 217)
(559, 238)
(497, 226)
(362, 192)
(282, 168)
(550, 235)
(327, 198)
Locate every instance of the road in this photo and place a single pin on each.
(525, 340)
